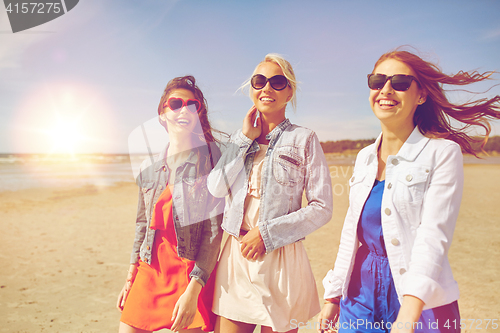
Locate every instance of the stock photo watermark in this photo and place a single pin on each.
(25, 15)
(366, 325)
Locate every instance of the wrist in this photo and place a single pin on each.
(333, 300)
(194, 286)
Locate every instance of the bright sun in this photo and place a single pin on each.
(66, 136)
(64, 118)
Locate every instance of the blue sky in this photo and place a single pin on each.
(100, 69)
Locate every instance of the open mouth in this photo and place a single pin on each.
(387, 102)
(266, 99)
(183, 122)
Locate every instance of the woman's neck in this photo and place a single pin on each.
(178, 151)
(393, 139)
(268, 123)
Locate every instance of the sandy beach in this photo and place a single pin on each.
(65, 252)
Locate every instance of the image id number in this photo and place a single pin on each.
(471, 324)
(34, 8)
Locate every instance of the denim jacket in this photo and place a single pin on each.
(420, 204)
(197, 215)
(294, 162)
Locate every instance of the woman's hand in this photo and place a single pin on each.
(328, 317)
(122, 297)
(248, 128)
(408, 315)
(252, 245)
(185, 307)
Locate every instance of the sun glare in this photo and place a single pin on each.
(64, 118)
(66, 136)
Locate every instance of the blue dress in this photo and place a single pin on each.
(372, 303)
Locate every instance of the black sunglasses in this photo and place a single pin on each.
(399, 82)
(277, 82)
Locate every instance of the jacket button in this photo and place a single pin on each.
(402, 271)
(387, 211)
(426, 170)
(409, 178)
(389, 186)
(395, 241)
(147, 247)
(395, 161)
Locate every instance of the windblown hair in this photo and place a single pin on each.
(287, 69)
(433, 117)
(205, 163)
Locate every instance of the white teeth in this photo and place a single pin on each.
(387, 102)
(183, 121)
(267, 99)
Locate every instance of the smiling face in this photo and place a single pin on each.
(182, 122)
(391, 107)
(268, 101)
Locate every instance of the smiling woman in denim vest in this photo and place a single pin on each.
(392, 271)
(264, 277)
(178, 234)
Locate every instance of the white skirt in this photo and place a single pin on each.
(278, 290)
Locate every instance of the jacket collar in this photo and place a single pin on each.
(271, 136)
(410, 149)
(278, 129)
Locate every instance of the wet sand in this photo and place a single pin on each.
(65, 252)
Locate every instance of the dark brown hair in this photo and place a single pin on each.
(433, 117)
(188, 82)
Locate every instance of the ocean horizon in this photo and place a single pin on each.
(25, 171)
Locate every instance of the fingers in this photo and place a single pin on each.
(326, 326)
(176, 318)
(252, 244)
(249, 252)
(328, 318)
(244, 250)
(176, 310)
(251, 112)
(181, 318)
(251, 128)
(250, 116)
(120, 303)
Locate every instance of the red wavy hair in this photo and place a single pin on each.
(433, 117)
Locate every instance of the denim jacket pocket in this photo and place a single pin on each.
(147, 186)
(288, 166)
(196, 194)
(147, 193)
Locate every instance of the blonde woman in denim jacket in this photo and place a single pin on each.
(392, 271)
(264, 276)
(178, 231)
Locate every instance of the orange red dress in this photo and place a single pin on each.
(157, 287)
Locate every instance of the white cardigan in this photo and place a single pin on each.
(420, 204)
